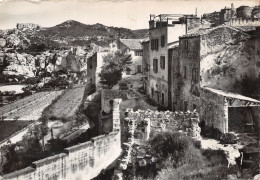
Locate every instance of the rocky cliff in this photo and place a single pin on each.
(232, 66)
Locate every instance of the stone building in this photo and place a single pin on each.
(216, 58)
(227, 14)
(135, 49)
(228, 111)
(164, 31)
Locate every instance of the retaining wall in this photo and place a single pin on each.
(81, 162)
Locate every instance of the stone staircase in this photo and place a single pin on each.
(250, 154)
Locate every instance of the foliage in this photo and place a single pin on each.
(228, 138)
(55, 146)
(114, 65)
(210, 132)
(171, 144)
(20, 155)
(32, 80)
(180, 157)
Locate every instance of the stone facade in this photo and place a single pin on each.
(91, 69)
(146, 63)
(189, 57)
(198, 62)
(134, 48)
(80, 162)
(158, 73)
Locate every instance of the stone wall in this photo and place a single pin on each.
(244, 22)
(80, 162)
(214, 110)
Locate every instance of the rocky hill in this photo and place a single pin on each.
(30, 49)
(75, 33)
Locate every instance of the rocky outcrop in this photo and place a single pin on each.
(19, 65)
(13, 39)
(26, 65)
(230, 65)
(25, 26)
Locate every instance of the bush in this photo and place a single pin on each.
(228, 138)
(211, 132)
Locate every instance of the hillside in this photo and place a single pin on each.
(75, 33)
(76, 29)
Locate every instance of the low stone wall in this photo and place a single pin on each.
(80, 162)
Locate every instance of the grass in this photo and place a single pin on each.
(7, 128)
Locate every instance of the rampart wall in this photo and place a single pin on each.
(244, 22)
(80, 162)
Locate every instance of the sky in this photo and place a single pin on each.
(132, 14)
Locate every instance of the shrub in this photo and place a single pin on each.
(228, 138)
(211, 132)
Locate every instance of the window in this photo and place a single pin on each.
(152, 44)
(156, 44)
(162, 62)
(184, 72)
(152, 90)
(162, 98)
(186, 44)
(195, 74)
(155, 65)
(138, 53)
(162, 41)
(185, 108)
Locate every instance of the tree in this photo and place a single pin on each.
(113, 66)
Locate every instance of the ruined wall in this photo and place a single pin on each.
(79, 162)
(214, 110)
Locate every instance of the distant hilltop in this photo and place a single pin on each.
(25, 26)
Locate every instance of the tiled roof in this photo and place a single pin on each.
(134, 44)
